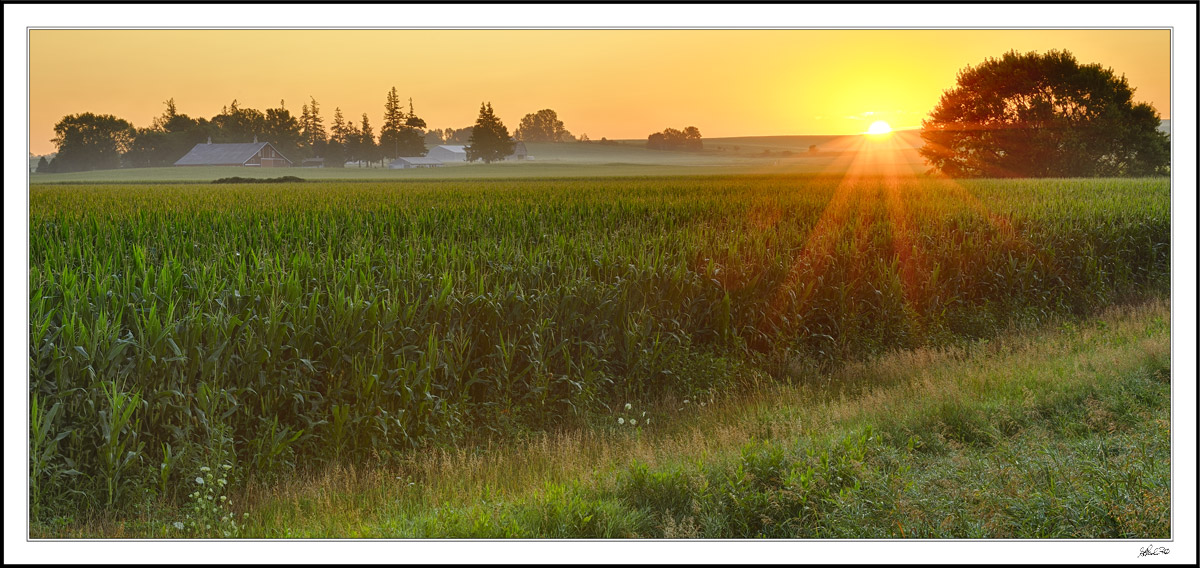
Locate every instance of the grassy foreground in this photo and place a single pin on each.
(1059, 432)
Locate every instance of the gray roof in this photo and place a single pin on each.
(417, 160)
(221, 154)
(453, 148)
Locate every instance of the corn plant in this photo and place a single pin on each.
(296, 325)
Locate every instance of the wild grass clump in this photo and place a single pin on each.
(303, 325)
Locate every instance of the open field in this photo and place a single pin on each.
(778, 155)
(264, 332)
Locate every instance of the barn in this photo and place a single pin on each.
(519, 151)
(448, 153)
(254, 154)
(406, 162)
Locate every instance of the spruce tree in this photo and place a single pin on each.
(393, 125)
(368, 150)
(489, 138)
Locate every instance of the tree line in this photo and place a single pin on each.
(672, 139)
(89, 141)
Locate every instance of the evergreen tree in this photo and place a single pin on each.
(314, 128)
(393, 125)
(42, 166)
(353, 143)
(411, 141)
(412, 120)
(169, 137)
(305, 124)
(489, 138)
(369, 151)
(338, 130)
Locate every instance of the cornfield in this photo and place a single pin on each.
(277, 326)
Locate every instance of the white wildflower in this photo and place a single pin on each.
(200, 480)
(628, 406)
(620, 421)
(178, 526)
(204, 468)
(633, 421)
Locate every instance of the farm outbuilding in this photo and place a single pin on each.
(519, 151)
(448, 153)
(253, 154)
(406, 162)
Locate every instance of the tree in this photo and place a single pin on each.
(671, 139)
(282, 130)
(542, 126)
(411, 140)
(353, 143)
(457, 135)
(368, 151)
(338, 131)
(237, 124)
(168, 138)
(312, 127)
(334, 155)
(1030, 115)
(434, 137)
(412, 120)
(42, 166)
(692, 139)
(150, 147)
(173, 121)
(489, 138)
(91, 142)
(393, 122)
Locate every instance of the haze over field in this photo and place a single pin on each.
(619, 84)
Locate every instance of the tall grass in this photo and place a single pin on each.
(303, 325)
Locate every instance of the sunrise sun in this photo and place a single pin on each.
(879, 127)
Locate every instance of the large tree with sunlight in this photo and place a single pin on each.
(1031, 115)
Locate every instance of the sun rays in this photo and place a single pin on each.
(879, 185)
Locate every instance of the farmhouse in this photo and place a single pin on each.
(519, 151)
(446, 153)
(406, 162)
(254, 154)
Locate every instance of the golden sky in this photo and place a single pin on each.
(605, 83)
